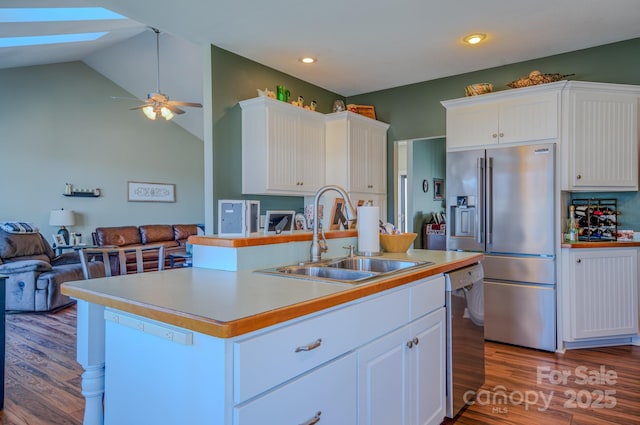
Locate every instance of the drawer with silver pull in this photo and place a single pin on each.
(326, 395)
(270, 358)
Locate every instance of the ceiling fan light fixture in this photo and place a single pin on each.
(474, 38)
(157, 103)
(149, 112)
(166, 113)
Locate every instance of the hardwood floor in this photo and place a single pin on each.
(42, 383)
(43, 380)
(580, 387)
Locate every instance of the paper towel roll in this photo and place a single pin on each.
(368, 230)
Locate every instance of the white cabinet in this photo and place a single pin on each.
(513, 116)
(327, 394)
(601, 288)
(283, 148)
(601, 135)
(296, 372)
(399, 380)
(401, 376)
(356, 153)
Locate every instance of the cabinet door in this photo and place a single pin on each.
(604, 292)
(281, 149)
(603, 141)
(327, 393)
(529, 119)
(367, 158)
(310, 155)
(428, 336)
(383, 387)
(472, 126)
(401, 376)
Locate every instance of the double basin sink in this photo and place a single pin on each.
(345, 270)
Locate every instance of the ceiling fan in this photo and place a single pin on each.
(157, 103)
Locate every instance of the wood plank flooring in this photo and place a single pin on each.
(43, 381)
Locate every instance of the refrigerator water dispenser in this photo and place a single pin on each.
(464, 216)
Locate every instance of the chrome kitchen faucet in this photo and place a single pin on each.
(317, 248)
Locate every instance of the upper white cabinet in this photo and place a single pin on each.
(600, 137)
(356, 153)
(511, 116)
(283, 148)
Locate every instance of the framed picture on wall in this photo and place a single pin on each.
(151, 192)
(438, 189)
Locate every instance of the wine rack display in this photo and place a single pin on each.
(597, 219)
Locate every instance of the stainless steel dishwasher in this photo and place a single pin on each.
(464, 301)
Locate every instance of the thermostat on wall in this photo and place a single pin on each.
(238, 217)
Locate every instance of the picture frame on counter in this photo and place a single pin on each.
(300, 222)
(338, 217)
(277, 222)
(151, 192)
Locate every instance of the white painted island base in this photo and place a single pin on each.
(156, 373)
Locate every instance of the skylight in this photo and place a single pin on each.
(49, 39)
(57, 14)
(54, 14)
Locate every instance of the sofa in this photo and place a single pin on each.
(172, 236)
(35, 273)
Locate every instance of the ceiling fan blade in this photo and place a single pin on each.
(138, 107)
(191, 104)
(128, 98)
(173, 109)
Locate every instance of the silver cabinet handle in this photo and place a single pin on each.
(315, 344)
(579, 176)
(313, 420)
(501, 134)
(412, 342)
(494, 135)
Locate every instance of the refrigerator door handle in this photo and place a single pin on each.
(480, 197)
(489, 201)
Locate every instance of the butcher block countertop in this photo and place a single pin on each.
(226, 304)
(262, 239)
(607, 244)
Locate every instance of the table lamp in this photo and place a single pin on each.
(62, 218)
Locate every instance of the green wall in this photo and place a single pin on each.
(414, 111)
(427, 163)
(234, 79)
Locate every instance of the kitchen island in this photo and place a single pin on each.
(198, 345)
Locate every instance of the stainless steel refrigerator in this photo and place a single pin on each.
(500, 201)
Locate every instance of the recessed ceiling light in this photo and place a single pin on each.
(474, 38)
(308, 59)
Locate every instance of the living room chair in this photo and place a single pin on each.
(115, 258)
(35, 273)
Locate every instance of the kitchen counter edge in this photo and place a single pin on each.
(229, 329)
(607, 244)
